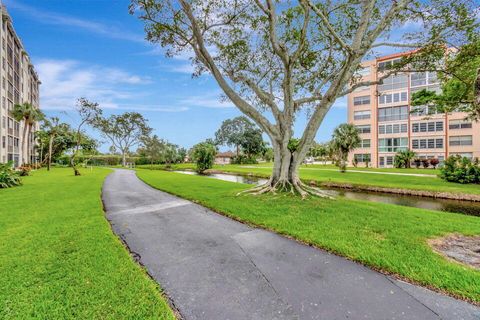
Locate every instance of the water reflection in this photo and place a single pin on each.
(457, 206)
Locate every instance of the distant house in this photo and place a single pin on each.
(224, 157)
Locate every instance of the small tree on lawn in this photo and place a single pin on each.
(123, 131)
(345, 138)
(434, 162)
(203, 154)
(52, 128)
(89, 112)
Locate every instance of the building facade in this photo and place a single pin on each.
(19, 84)
(388, 123)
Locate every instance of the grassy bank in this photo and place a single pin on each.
(59, 258)
(329, 174)
(387, 237)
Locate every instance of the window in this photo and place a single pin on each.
(387, 64)
(438, 143)
(395, 97)
(439, 126)
(418, 79)
(392, 128)
(361, 115)
(365, 143)
(459, 124)
(394, 82)
(424, 110)
(392, 144)
(423, 78)
(362, 157)
(4, 142)
(364, 129)
(359, 101)
(433, 126)
(386, 161)
(430, 143)
(393, 113)
(461, 140)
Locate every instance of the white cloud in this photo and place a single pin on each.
(209, 100)
(64, 81)
(186, 68)
(54, 18)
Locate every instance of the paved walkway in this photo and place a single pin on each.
(214, 268)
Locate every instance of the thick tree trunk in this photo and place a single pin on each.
(285, 174)
(124, 159)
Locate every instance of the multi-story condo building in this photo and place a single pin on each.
(388, 123)
(19, 84)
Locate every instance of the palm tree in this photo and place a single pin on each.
(404, 158)
(345, 138)
(29, 114)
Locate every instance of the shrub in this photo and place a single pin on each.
(434, 162)
(8, 177)
(244, 159)
(426, 163)
(203, 155)
(460, 170)
(398, 161)
(417, 162)
(24, 170)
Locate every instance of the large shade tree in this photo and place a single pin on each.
(274, 59)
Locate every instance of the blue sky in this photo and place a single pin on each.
(95, 49)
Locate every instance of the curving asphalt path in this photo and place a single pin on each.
(215, 268)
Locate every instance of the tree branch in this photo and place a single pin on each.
(208, 61)
(328, 26)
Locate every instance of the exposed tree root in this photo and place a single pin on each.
(283, 185)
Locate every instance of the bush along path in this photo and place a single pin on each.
(213, 267)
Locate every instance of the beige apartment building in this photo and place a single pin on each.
(388, 123)
(20, 84)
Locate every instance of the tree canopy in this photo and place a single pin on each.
(460, 83)
(123, 131)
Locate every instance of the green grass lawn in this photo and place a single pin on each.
(387, 237)
(59, 258)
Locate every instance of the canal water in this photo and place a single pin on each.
(446, 205)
